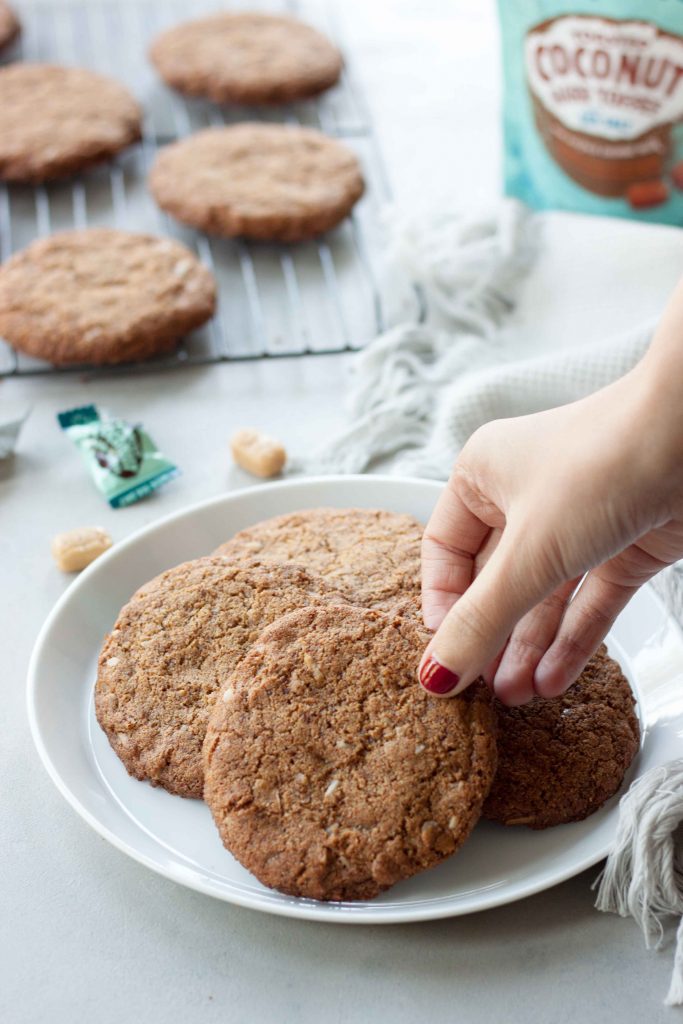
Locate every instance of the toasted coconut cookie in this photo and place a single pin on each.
(262, 181)
(247, 58)
(55, 121)
(102, 296)
(370, 554)
(559, 760)
(173, 646)
(329, 772)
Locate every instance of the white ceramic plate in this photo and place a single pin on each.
(176, 837)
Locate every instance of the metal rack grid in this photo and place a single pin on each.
(317, 297)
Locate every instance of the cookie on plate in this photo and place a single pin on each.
(55, 121)
(102, 296)
(559, 760)
(262, 181)
(10, 26)
(369, 554)
(247, 58)
(330, 773)
(173, 646)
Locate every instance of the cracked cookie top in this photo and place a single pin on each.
(370, 554)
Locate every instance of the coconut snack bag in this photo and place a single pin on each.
(593, 106)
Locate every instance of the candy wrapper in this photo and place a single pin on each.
(122, 459)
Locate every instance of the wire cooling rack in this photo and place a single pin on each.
(317, 297)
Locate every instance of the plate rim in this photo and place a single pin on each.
(302, 910)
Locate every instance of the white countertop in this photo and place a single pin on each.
(89, 936)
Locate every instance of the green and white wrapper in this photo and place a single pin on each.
(122, 458)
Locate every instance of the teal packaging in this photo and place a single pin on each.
(593, 106)
(122, 459)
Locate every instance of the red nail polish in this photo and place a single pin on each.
(436, 678)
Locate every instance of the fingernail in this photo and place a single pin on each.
(436, 678)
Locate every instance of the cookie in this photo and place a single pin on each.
(247, 58)
(10, 26)
(173, 646)
(559, 760)
(55, 121)
(102, 296)
(263, 181)
(330, 773)
(369, 554)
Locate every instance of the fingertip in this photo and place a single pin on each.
(550, 678)
(513, 689)
(437, 679)
(435, 608)
(432, 619)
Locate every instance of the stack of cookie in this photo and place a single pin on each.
(277, 679)
(105, 296)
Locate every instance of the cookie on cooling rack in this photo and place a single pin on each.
(559, 760)
(173, 646)
(10, 26)
(102, 296)
(55, 121)
(263, 181)
(329, 772)
(247, 58)
(371, 555)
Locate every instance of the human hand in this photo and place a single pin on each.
(532, 505)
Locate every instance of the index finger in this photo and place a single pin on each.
(452, 538)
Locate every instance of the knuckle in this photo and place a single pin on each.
(524, 647)
(574, 648)
(471, 486)
(482, 438)
(634, 566)
(437, 549)
(471, 617)
(591, 616)
(554, 602)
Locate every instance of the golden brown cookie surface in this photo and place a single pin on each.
(330, 773)
(559, 760)
(247, 58)
(55, 120)
(370, 554)
(172, 648)
(10, 26)
(102, 296)
(262, 181)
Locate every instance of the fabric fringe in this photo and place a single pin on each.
(643, 875)
(419, 391)
(469, 271)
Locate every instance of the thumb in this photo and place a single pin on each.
(478, 625)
